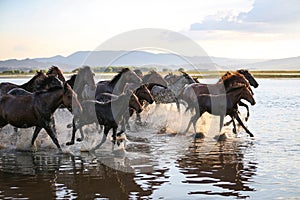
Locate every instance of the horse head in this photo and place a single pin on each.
(135, 103)
(143, 93)
(232, 79)
(244, 91)
(154, 78)
(49, 82)
(188, 77)
(249, 77)
(55, 71)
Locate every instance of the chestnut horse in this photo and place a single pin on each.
(23, 111)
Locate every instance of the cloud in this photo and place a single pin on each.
(265, 16)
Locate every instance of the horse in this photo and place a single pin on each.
(55, 71)
(222, 105)
(251, 81)
(117, 84)
(83, 83)
(152, 79)
(108, 113)
(144, 95)
(175, 87)
(190, 92)
(36, 109)
(40, 81)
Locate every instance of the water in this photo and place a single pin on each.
(165, 166)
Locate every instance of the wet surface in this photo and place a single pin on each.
(156, 165)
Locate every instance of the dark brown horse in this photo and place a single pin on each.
(23, 111)
(109, 114)
(117, 84)
(190, 92)
(222, 105)
(56, 71)
(39, 82)
(252, 82)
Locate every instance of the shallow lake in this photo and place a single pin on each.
(164, 166)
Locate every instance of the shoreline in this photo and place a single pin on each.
(194, 74)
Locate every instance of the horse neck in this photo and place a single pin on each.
(118, 86)
(29, 86)
(234, 97)
(178, 86)
(52, 99)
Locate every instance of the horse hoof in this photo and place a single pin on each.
(79, 140)
(199, 135)
(33, 148)
(69, 143)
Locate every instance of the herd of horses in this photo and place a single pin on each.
(111, 103)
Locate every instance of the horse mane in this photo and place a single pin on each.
(236, 87)
(188, 77)
(117, 77)
(56, 69)
(229, 78)
(32, 80)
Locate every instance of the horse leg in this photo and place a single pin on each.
(247, 107)
(73, 133)
(52, 123)
(192, 120)
(177, 105)
(106, 130)
(195, 119)
(228, 123)
(81, 135)
(52, 136)
(138, 118)
(35, 134)
(15, 129)
(234, 125)
(241, 123)
(221, 122)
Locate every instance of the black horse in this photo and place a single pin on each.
(23, 111)
(109, 114)
(117, 84)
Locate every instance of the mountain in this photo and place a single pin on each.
(142, 58)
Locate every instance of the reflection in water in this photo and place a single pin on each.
(223, 171)
(224, 167)
(40, 175)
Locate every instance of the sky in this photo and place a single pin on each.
(250, 29)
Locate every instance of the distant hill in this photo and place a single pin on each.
(141, 58)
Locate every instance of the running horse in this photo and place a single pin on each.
(56, 71)
(23, 111)
(251, 81)
(40, 81)
(222, 105)
(83, 83)
(172, 92)
(117, 84)
(109, 114)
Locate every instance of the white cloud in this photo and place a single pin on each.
(265, 16)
